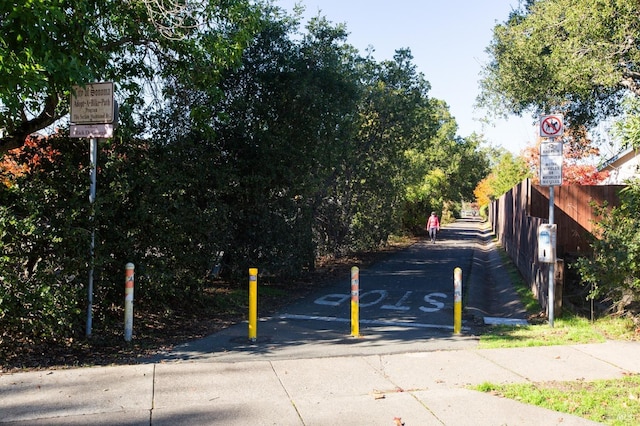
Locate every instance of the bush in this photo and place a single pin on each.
(618, 244)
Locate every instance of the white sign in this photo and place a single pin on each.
(547, 237)
(551, 126)
(551, 148)
(91, 131)
(92, 104)
(551, 163)
(551, 170)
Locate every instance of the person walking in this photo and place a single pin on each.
(433, 226)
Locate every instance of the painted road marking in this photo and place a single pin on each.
(369, 322)
(375, 297)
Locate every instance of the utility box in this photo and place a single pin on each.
(547, 243)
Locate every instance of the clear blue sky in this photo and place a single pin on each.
(447, 38)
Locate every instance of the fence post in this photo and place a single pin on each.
(355, 302)
(457, 300)
(253, 304)
(128, 301)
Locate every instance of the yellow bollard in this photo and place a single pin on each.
(457, 300)
(253, 304)
(355, 302)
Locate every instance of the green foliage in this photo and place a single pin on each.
(47, 47)
(628, 129)
(618, 243)
(305, 149)
(44, 241)
(507, 171)
(444, 168)
(576, 57)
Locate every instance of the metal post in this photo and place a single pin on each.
(93, 160)
(253, 304)
(128, 301)
(457, 300)
(355, 301)
(551, 298)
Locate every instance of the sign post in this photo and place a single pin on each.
(551, 127)
(92, 115)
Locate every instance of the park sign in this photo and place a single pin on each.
(92, 104)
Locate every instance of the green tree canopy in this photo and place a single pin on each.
(46, 47)
(575, 57)
(507, 171)
(271, 144)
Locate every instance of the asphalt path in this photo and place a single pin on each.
(405, 304)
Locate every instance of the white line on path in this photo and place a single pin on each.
(369, 322)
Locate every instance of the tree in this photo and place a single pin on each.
(43, 240)
(286, 131)
(47, 47)
(577, 163)
(617, 243)
(628, 127)
(575, 57)
(508, 171)
(302, 149)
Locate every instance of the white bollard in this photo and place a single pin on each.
(128, 301)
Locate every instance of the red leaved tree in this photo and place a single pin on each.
(577, 151)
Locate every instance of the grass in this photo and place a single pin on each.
(612, 402)
(568, 330)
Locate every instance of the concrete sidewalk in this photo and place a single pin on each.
(421, 388)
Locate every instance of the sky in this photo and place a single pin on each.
(447, 39)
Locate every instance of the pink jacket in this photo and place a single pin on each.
(433, 222)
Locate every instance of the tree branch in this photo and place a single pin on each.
(16, 137)
(630, 80)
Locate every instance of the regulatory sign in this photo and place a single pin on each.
(551, 126)
(551, 148)
(550, 170)
(92, 104)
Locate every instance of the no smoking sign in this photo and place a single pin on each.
(551, 126)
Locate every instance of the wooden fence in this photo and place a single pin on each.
(516, 216)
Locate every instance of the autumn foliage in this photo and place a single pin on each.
(29, 157)
(576, 170)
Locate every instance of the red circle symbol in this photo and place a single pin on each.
(551, 126)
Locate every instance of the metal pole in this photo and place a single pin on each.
(93, 160)
(551, 297)
(355, 301)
